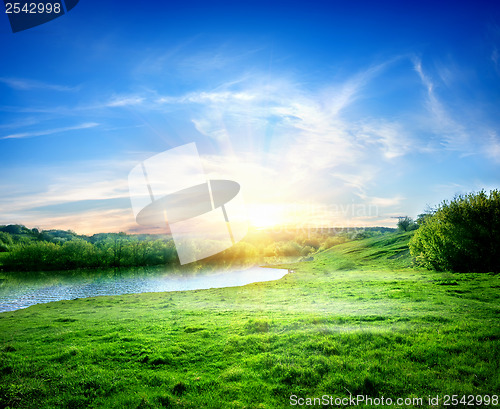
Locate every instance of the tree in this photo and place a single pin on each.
(406, 223)
(5, 241)
(37, 255)
(462, 235)
(423, 217)
(15, 229)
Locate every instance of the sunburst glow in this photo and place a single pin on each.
(266, 215)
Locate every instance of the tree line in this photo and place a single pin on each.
(115, 250)
(34, 249)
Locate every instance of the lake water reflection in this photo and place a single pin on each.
(21, 292)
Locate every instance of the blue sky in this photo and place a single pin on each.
(326, 112)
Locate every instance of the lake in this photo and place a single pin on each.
(19, 292)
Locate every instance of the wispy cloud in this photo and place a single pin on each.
(493, 147)
(28, 121)
(28, 85)
(50, 131)
(386, 201)
(123, 101)
(495, 57)
(89, 197)
(289, 143)
(390, 137)
(284, 141)
(456, 128)
(223, 57)
(453, 134)
(311, 127)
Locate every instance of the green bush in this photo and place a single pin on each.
(462, 235)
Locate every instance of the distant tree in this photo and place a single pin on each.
(289, 249)
(422, 218)
(113, 245)
(462, 235)
(5, 241)
(333, 241)
(78, 253)
(406, 224)
(13, 229)
(37, 255)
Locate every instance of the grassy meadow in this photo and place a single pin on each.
(357, 319)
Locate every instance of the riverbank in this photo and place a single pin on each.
(355, 320)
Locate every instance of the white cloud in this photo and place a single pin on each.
(457, 129)
(49, 131)
(87, 180)
(493, 147)
(453, 134)
(386, 201)
(392, 138)
(495, 57)
(28, 85)
(285, 143)
(122, 101)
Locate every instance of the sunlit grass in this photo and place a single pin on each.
(353, 320)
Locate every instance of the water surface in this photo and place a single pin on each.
(18, 292)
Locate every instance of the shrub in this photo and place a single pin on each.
(462, 235)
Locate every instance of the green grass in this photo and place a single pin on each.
(355, 320)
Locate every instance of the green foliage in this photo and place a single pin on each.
(116, 250)
(462, 235)
(34, 249)
(289, 249)
(15, 229)
(423, 217)
(5, 241)
(333, 241)
(18, 234)
(406, 224)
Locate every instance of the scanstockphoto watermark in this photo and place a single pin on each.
(358, 400)
(364, 400)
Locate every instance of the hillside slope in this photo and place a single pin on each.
(381, 252)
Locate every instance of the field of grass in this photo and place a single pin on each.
(355, 320)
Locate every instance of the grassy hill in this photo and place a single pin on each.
(389, 250)
(355, 320)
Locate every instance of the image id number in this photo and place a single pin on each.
(32, 8)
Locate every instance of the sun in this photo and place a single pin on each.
(265, 215)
